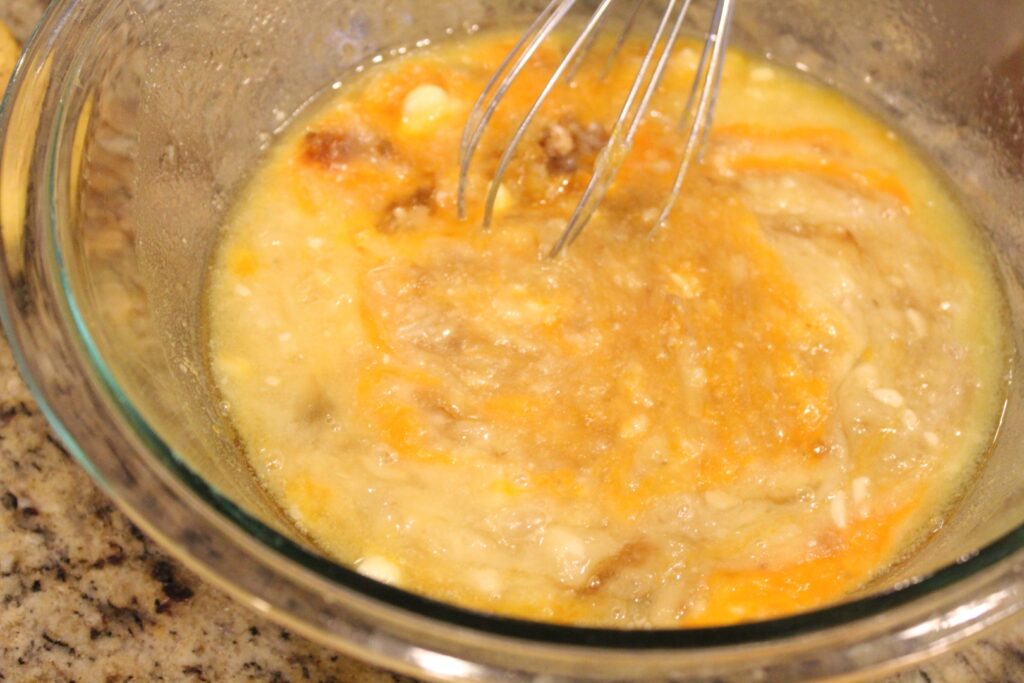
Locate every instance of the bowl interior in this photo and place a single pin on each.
(172, 104)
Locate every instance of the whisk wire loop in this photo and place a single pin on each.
(695, 120)
(611, 158)
(495, 90)
(575, 50)
(706, 82)
(620, 42)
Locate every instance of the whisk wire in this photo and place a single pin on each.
(612, 157)
(627, 29)
(695, 120)
(723, 29)
(581, 56)
(506, 159)
(706, 81)
(487, 103)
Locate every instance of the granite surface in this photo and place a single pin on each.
(85, 596)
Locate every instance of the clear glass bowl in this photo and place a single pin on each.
(131, 123)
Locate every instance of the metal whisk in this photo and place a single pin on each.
(696, 118)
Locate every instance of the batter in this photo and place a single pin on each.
(752, 413)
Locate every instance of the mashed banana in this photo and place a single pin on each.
(753, 412)
(9, 52)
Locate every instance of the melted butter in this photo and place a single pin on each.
(752, 412)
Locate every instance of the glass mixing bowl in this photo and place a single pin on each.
(129, 126)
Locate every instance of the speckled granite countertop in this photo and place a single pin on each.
(85, 596)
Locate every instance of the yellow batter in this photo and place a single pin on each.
(750, 414)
